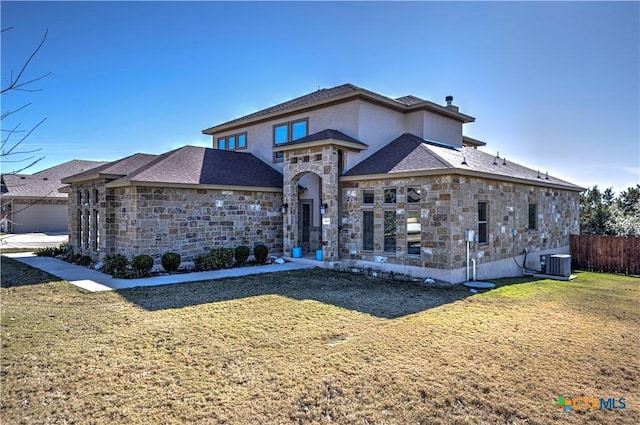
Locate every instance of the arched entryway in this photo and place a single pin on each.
(311, 194)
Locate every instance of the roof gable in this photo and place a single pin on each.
(411, 154)
(195, 165)
(44, 183)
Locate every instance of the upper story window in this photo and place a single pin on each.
(389, 196)
(413, 195)
(367, 196)
(288, 132)
(233, 142)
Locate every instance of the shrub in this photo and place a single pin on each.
(72, 257)
(223, 257)
(171, 261)
(52, 251)
(142, 264)
(83, 260)
(115, 264)
(204, 262)
(241, 254)
(260, 252)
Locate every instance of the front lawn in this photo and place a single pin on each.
(316, 346)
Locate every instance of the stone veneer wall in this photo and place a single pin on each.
(448, 206)
(143, 220)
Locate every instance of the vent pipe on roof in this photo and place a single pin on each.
(449, 99)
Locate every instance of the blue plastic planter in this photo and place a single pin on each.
(296, 252)
(318, 254)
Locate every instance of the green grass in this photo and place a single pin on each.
(319, 347)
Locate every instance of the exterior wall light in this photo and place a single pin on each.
(284, 208)
(323, 209)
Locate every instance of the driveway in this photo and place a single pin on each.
(32, 240)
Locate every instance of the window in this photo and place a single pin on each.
(389, 196)
(233, 142)
(367, 230)
(390, 231)
(281, 134)
(86, 197)
(242, 141)
(367, 197)
(95, 232)
(414, 228)
(533, 216)
(85, 228)
(95, 196)
(298, 129)
(288, 132)
(79, 196)
(79, 229)
(482, 222)
(413, 195)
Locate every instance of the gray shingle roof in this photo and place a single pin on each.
(318, 95)
(199, 165)
(410, 153)
(324, 135)
(44, 183)
(121, 167)
(410, 100)
(402, 103)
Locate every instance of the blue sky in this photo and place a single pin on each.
(554, 86)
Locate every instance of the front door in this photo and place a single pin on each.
(306, 220)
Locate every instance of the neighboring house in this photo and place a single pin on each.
(32, 202)
(369, 180)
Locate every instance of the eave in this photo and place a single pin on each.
(335, 142)
(460, 172)
(136, 183)
(360, 94)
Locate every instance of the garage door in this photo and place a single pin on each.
(40, 218)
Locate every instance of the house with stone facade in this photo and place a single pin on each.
(370, 181)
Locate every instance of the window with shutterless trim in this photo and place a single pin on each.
(533, 217)
(483, 222)
(288, 132)
(233, 142)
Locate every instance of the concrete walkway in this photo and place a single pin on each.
(95, 281)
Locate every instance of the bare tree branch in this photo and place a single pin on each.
(6, 114)
(13, 148)
(15, 83)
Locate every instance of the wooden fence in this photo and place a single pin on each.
(610, 254)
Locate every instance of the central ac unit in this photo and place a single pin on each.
(556, 264)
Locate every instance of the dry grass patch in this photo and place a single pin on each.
(319, 347)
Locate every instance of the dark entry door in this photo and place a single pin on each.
(305, 222)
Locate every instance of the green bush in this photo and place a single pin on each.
(83, 260)
(204, 262)
(241, 254)
(52, 251)
(260, 252)
(216, 259)
(170, 261)
(72, 257)
(223, 257)
(114, 264)
(142, 264)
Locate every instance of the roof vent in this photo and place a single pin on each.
(449, 99)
